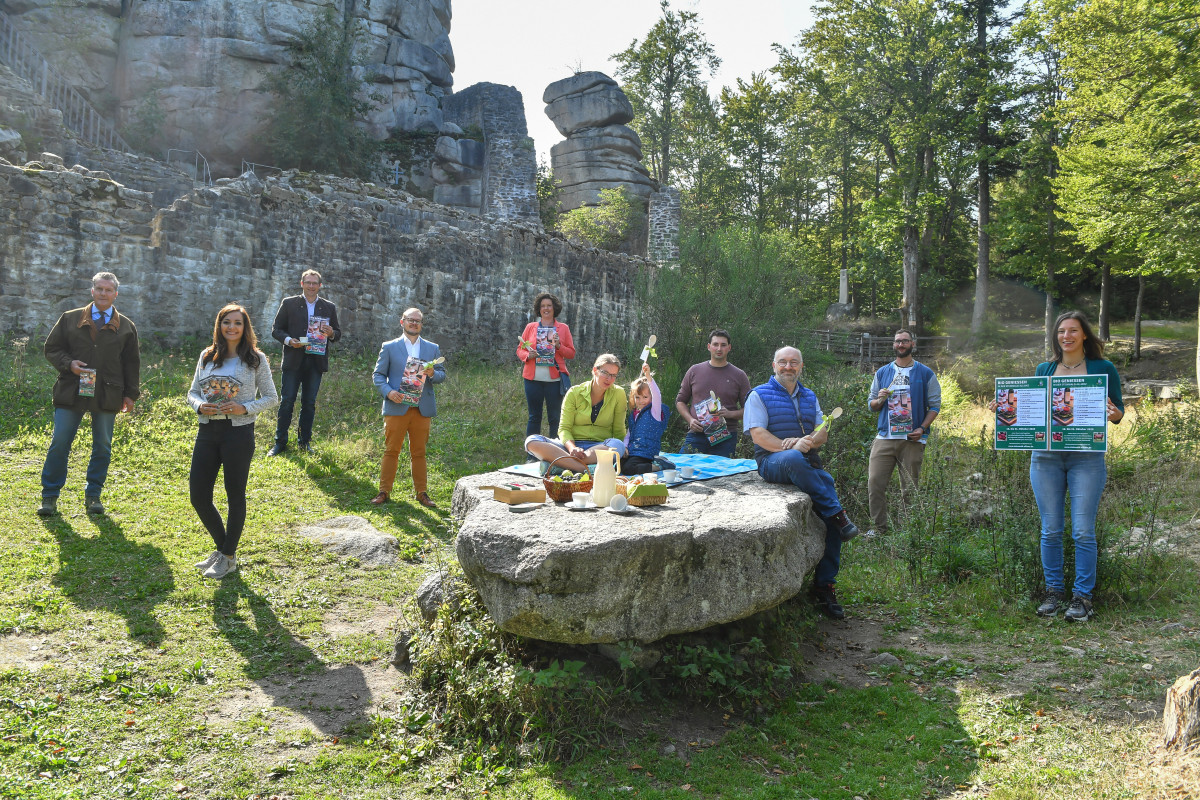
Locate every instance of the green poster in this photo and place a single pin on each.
(1079, 413)
(1021, 413)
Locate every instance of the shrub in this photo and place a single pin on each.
(320, 105)
(612, 225)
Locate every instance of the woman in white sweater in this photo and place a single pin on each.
(231, 386)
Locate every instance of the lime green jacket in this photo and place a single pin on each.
(576, 424)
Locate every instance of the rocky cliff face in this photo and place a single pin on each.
(203, 63)
(601, 151)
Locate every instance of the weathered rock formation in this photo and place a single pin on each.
(718, 551)
(496, 173)
(203, 63)
(601, 151)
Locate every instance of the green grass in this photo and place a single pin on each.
(1184, 330)
(122, 673)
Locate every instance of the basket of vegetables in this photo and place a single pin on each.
(561, 487)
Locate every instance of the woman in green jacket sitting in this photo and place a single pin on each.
(593, 416)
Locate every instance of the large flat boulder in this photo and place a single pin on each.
(586, 100)
(718, 551)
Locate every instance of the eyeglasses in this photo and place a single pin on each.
(612, 376)
(902, 341)
(411, 321)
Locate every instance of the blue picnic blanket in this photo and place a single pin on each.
(707, 467)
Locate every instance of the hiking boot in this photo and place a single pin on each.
(49, 507)
(825, 599)
(1050, 603)
(208, 562)
(846, 529)
(1080, 609)
(94, 506)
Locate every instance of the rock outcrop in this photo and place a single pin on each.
(601, 151)
(718, 551)
(201, 66)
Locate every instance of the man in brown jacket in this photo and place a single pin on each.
(95, 350)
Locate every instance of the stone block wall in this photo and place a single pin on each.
(248, 241)
(509, 188)
(663, 225)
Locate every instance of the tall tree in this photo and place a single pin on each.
(751, 129)
(989, 86)
(1131, 172)
(656, 74)
(890, 67)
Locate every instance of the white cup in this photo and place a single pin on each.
(618, 502)
(580, 499)
(686, 472)
(670, 475)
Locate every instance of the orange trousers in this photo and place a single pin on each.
(416, 428)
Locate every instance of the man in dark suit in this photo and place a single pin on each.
(304, 361)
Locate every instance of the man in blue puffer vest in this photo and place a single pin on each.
(781, 417)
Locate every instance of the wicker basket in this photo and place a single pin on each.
(560, 492)
(638, 501)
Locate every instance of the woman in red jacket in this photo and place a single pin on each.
(545, 347)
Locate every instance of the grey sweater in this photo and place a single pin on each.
(254, 388)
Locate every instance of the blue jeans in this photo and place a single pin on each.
(790, 466)
(537, 393)
(66, 425)
(1053, 476)
(698, 443)
(306, 382)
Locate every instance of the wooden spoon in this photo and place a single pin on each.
(837, 412)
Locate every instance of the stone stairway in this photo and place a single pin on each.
(78, 115)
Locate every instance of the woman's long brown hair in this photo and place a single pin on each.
(247, 349)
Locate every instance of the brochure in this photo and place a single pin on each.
(1079, 413)
(714, 427)
(220, 389)
(1021, 413)
(87, 382)
(544, 346)
(316, 341)
(412, 383)
(900, 418)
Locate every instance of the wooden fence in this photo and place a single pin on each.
(864, 348)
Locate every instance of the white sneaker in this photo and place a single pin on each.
(221, 567)
(208, 562)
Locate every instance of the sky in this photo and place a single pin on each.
(530, 44)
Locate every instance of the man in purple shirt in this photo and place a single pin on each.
(708, 432)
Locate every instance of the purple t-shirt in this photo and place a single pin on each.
(729, 382)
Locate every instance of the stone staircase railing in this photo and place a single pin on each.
(78, 114)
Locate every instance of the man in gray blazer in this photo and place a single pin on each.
(405, 376)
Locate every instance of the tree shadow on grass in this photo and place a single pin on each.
(286, 670)
(113, 573)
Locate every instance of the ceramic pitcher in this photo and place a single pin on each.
(604, 486)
